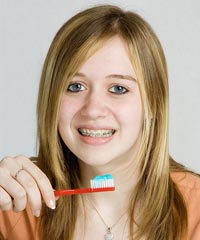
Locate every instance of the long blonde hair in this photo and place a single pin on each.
(163, 213)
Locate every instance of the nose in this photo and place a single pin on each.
(94, 107)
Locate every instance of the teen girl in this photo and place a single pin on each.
(102, 108)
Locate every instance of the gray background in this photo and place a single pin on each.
(26, 31)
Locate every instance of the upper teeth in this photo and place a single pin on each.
(96, 133)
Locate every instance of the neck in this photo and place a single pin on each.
(125, 178)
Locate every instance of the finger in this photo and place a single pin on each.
(1, 160)
(57, 198)
(32, 191)
(9, 164)
(5, 200)
(19, 162)
(42, 181)
(15, 190)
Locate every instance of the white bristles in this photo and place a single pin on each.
(101, 183)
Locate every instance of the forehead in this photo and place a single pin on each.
(113, 56)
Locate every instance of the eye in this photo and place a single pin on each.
(75, 87)
(117, 89)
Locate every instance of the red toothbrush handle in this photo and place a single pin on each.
(59, 193)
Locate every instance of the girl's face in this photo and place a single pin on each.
(101, 115)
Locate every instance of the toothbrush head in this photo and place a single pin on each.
(103, 181)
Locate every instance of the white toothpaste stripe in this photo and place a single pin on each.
(102, 183)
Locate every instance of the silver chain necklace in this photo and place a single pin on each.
(108, 235)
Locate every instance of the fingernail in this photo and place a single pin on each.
(37, 213)
(52, 204)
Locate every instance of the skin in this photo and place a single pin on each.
(104, 100)
(94, 100)
(31, 185)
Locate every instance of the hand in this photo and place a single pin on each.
(21, 181)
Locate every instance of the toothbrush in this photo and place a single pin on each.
(102, 183)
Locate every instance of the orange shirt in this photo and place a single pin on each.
(189, 186)
(23, 225)
(18, 226)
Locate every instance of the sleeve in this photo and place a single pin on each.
(18, 226)
(8, 220)
(193, 206)
(195, 235)
(190, 189)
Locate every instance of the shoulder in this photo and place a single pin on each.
(189, 186)
(188, 183)
(21, 225)
(186, 180)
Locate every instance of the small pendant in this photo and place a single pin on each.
(108, 235)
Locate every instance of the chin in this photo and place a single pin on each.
(95, 161)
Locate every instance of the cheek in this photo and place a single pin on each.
(131, 118)
(68, 109)
(65, 116)
(131, 111)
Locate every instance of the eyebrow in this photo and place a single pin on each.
(118, 76)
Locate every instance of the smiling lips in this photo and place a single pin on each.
(100, 133)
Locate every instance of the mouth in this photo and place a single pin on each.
(99, 133)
